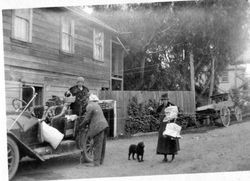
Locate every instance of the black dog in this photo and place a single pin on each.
(138, 150)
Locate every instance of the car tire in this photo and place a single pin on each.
(13, 157)
(87, 148)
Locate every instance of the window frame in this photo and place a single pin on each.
(225, 74)
(71, 35)
(30, 24)
(101, 59)
(35, 85)
(120, 69)
(113, 76)
(116, 79)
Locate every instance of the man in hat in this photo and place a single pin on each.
(81, 93)
(96, 130)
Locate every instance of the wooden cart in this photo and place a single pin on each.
(223, 108)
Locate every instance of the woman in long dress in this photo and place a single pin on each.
(165, 145)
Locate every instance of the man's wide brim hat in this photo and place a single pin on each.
(80, 79)
(164, 96)
(93, 97)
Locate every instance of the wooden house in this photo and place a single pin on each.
(234, 76)
(49, 47)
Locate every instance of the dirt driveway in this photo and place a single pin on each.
(222, 149)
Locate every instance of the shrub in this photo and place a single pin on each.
(139, 117)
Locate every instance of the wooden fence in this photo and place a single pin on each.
(183, 99)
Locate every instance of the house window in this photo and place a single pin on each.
(27, 94)
(98, 45)
(67, 36)
(116, 84)
(117, 59)
(224, 77)
(22, 24)
(117, 66)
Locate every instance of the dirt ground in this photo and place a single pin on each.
(219, 150)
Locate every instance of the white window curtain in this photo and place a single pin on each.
(22, 24)
(98, 45)
(67, 40)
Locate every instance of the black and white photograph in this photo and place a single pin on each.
(126, 90)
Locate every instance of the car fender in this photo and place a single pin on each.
(25, 148)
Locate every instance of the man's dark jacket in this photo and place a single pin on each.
(95, 118)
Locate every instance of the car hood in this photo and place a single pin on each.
(24, 122)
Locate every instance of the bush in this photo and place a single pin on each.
(140, 119)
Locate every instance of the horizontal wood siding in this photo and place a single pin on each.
(42, 58)
(55, 90)
(183, 99)
(12, 90)
(53, 84)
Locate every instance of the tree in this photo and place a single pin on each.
(162, 35)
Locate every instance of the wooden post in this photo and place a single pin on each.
(192, 71)
(191, 59)
(235, 76)
(212, 80)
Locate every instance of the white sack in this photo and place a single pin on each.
(172, 130)
(171, 112)
(51, 135)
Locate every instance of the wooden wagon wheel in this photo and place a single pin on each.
(238, 114)
(181, 121)
(225, 116)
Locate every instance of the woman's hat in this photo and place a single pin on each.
(164, 96)
(80, 79)
(93, 97)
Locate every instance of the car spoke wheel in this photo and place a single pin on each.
(225, 116)
(238, 114)
(87, 148)
(13, 157)
(90, 147)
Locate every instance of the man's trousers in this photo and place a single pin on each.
(99, 147)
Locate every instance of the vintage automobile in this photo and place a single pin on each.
(24, 136)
